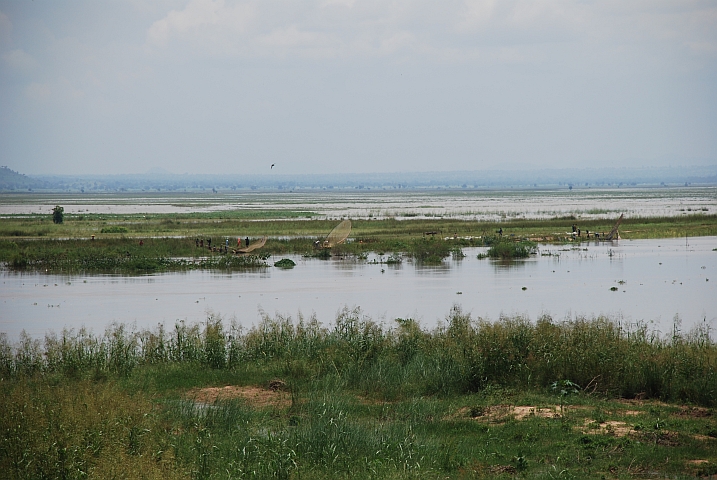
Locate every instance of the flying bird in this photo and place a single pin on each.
(272, 165)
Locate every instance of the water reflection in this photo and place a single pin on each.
(501, 265)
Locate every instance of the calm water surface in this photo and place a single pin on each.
(655, 279)
(485, 205)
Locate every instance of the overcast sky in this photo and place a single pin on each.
(332, 86)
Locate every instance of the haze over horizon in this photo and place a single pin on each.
(339, 86)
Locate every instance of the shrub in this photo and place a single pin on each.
(285, 263)
(508, 249)
(57, 214)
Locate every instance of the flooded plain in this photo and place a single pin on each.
(481, 205)
(653, 281)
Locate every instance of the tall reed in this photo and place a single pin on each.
(461, 355)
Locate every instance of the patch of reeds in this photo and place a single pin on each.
(461, 356)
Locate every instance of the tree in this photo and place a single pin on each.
(57, 214)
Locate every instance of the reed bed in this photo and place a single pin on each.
(463, 355)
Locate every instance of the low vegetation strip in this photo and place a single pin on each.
(140, 243)
(355, 399)
(462, 356)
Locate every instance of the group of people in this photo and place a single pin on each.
(201, 243)
(576, 232)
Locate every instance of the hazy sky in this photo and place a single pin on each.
(332, 86)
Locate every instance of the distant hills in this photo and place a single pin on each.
(11, 181)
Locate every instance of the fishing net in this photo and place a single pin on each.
(339, 234)
(253, 246)
(613, 232)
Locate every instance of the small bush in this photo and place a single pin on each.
(57, 214)
(507, 249)
(285, 263)
(114, 229)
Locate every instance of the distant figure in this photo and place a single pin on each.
(141, 242)
(209, 242)
(500, 232)
(587, 233)
(574, 228)
(226, 242)
(201, 243)
(247, 241)
(578, 232)
(238, 241)
(196, 242)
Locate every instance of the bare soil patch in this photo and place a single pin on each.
(610, 427)
(694, 412)
(258, 397)
(501, 413)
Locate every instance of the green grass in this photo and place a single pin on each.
(507, 249)
(41, 245)
(363, 400)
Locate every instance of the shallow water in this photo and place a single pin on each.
(656, 280)
(479, 205)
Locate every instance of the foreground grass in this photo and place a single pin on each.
(361, 400)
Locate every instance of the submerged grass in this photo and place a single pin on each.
(366, 400)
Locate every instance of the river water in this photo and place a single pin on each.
(656, 281)
(480, 205)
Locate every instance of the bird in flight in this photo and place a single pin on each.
(272, 165)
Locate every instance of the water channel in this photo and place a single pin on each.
(631, 281)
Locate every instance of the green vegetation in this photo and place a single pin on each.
(119, 255)
(170, 241)
(57, 214)
(285, 263)
(508, 249)
(114, 229)
(295, 399)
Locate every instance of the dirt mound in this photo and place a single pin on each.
(255, 396)
(501, 413)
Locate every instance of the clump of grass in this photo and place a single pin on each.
(508, 249)
(430, 250)
(285, 263)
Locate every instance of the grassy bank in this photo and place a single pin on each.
(219, 225)
(169, 241)
(584, 398)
